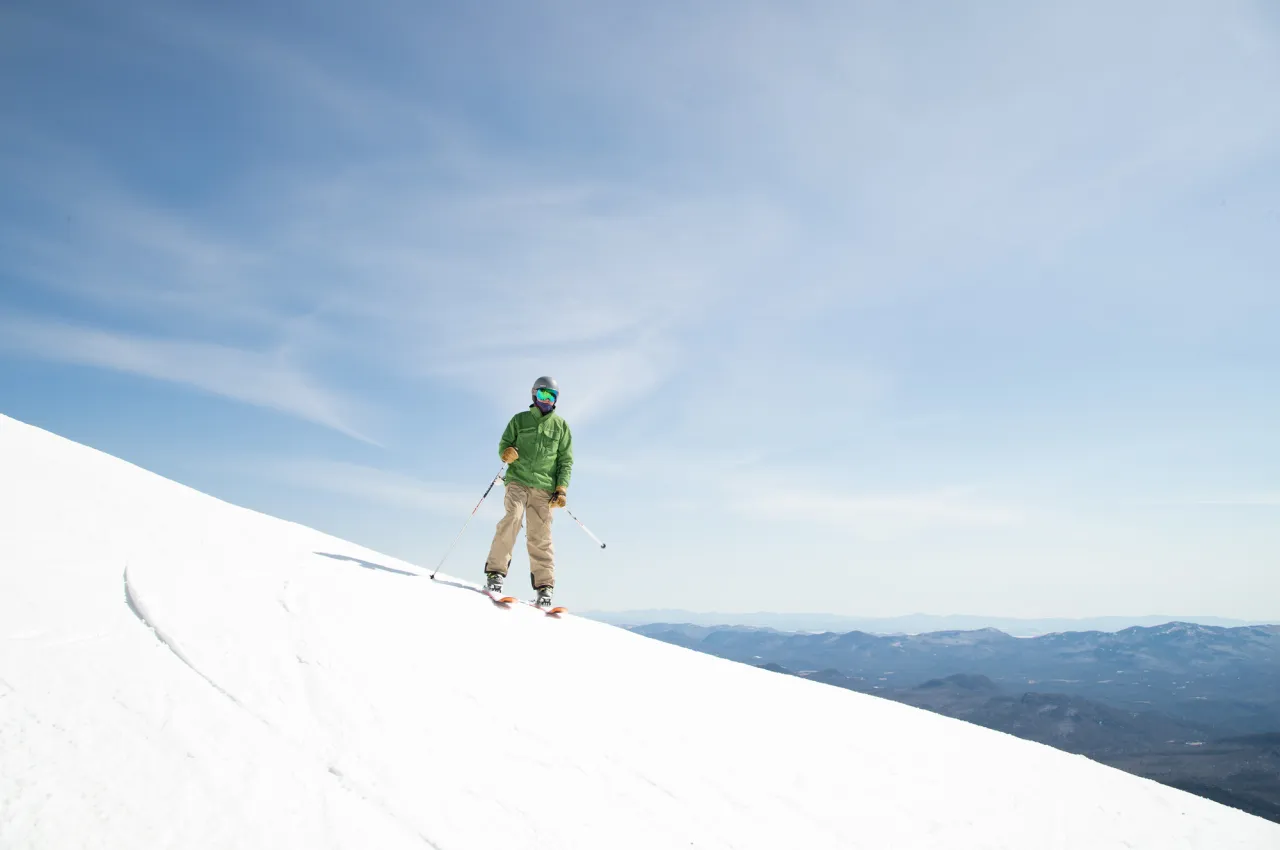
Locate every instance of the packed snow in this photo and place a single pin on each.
(178, 672)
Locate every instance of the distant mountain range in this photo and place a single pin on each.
(1243, 771)
(1225, 678)
(1071, 723)
(1191, 705)
(908, 624)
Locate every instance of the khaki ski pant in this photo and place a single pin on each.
(521, 501)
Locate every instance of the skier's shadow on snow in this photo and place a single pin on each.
(368, 565)
(459, 585)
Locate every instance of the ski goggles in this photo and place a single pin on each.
(545, 394)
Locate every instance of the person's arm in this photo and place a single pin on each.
(564, 459)
(507, 445)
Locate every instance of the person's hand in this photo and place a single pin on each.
(558, 497)
(509, 454)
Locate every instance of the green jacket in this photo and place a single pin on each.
(545, 446)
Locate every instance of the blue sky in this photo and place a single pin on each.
(864, 308)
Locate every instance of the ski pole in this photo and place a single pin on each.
(584, 528)
(495, 480)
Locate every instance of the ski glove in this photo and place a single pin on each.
(558, 497)
(509, 454)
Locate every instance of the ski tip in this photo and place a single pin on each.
(555, 612)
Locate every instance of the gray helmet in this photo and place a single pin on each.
(545, 383)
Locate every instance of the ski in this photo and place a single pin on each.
(501, 601)
(506, 602)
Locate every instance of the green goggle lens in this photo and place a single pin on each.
(546, 395)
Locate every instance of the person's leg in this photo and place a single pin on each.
(542, 555)
(504, 538)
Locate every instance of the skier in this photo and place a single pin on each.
(538, 450)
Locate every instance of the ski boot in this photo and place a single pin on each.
(493, 582)
(544, 598)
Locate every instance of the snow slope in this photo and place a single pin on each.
(177, 672)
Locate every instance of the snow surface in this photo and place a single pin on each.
(178, 672)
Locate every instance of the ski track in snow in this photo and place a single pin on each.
(337, 704)
(139, 610)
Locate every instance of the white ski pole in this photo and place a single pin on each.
(495, 480)
(584, 528)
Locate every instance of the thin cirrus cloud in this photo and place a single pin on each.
(620, 221)
(370, 485)
(262, 378)
(937, 143)
(468, 258)
(879, 516)
(1244, 500)
(612, 291)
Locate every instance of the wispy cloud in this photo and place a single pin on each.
(601, 297)
(601, 285)
(803, 227)
(876, 516)
(834, 169)
(267, 379)
(373, 485)
(1243, 500)
(808, 159)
